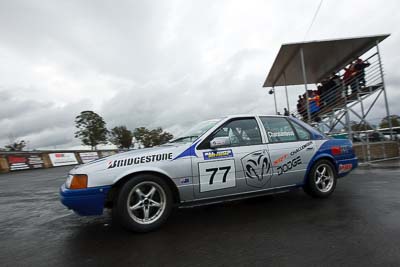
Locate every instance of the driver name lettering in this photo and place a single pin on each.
(280, 134)
(139, 160)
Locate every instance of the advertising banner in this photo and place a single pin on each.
(24, 162)
(63, 159)
(88, 156)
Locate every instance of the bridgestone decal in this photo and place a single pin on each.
(139, 160)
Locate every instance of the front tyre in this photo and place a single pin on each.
(321, 180)
(144, 203)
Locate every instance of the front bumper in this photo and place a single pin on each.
(85, 202)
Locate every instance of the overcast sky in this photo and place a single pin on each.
(160, 63)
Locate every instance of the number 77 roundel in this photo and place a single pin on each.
(216, 175)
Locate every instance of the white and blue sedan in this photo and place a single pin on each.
(217, 160)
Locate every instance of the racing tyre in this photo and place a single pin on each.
(143, 204)
(321, 180)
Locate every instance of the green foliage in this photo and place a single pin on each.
(91, 129)
(121, 137)
(360, 127)
(149, 138)
(16, 146)
(395, 119)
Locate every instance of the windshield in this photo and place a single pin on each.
(196, 131)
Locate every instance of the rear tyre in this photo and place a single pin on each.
(321, 180)
(143, 204)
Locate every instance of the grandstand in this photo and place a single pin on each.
(343, 81)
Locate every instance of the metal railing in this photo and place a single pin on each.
(343, 94)
(338, 98)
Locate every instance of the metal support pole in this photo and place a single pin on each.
(363, 118)
(303, 67)
(384, 91)
(276, 108)
(348, 122)
(287, 99)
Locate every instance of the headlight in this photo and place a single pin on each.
(76, 181)
(68, 181)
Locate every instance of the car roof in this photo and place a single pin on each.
(252, 115)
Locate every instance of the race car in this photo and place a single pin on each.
(217, 160)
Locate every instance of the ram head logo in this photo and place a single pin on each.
(257, 168)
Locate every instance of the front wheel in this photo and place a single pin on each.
(321, 180)
(144, 203)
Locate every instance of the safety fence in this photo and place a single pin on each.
(16, 161)
(371, 151)
(26, 160)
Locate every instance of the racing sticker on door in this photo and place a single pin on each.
(257, 168)
(216, 175)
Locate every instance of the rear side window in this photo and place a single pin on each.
(302, 133)
(278, 129)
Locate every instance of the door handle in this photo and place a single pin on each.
(257, 153)
(309, 148)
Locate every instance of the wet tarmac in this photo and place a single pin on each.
(358, 226)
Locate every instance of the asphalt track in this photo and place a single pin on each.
(358, 226)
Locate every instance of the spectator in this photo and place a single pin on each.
(314, 102)
(302, 103)
(359, 67)
(299, 105)
(285, 112)
(349, 79)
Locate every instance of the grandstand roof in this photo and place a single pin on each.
(321, 59)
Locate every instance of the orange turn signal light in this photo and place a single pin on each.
(79, 181)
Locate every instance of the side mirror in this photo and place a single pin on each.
(220, 142)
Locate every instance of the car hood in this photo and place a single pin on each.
(100, 164)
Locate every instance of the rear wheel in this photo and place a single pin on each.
(321, 180)
(144, 203)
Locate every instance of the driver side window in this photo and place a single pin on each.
(241, 132)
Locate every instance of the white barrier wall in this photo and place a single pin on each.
(88, 156)
(63, 159)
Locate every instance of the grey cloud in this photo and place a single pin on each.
(181, 104)
(41, 123)
(12, 108)
(169, 64)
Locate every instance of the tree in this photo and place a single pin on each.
(357, 127)
(121, 137)
(16, 146)
(395, 119)
(141, 135)
(149, 138)
(91, 129)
